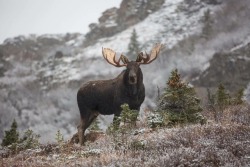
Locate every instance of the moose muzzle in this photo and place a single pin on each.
(132, 78)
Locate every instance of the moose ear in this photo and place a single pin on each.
(124, 59)
(139, 57)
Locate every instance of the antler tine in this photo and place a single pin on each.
(118, 62)
(153, 55)
(109, 56)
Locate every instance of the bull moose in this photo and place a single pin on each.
(106, 96)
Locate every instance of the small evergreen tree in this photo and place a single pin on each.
(119, 133)
(133, 46)
(60, 141)
(179, 101)
(95, 125)
(128, 116)
(239, 97)
(29, 140)
(222, 98)
(11, 136)
(59, 137)
(207, 25)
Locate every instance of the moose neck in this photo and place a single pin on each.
(133, 89)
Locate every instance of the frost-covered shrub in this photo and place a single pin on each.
(91, 152)
(155, 119)
(59, 137)
(29, 140)
(221, 100)
(179, 101)
(94, 125)
(137, 145)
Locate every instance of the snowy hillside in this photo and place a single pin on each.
(39, 83)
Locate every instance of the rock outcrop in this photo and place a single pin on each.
(231, 69)
(115, 20)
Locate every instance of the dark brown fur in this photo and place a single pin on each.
(106, 96)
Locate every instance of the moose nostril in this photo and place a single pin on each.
(132, 79)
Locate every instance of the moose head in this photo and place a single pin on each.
(133, 70)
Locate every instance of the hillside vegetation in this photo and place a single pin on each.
(170, 136)
(213, 144)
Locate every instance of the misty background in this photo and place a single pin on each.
(50, 48)
(23, 17)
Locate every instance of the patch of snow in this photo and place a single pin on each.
(53, 36)
(244, 42)
(244, 58)
(111, 24)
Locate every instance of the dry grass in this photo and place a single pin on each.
(215, 144)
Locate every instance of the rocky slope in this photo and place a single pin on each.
(116, 20)
(40, 75)
(229, 68)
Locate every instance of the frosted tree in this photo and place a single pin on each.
(133, 46)
(179, 101)
(207, 24)
(221, 100)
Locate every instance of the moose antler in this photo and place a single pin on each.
(149, 58)
(109, 55)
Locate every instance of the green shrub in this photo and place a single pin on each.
(11, 136)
